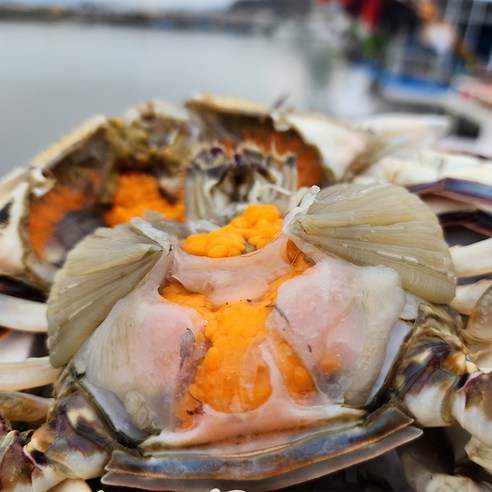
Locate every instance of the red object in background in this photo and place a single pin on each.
(370, 12)
(367, 9)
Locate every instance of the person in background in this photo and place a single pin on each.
(387, 17)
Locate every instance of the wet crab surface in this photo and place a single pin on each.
(317, 377)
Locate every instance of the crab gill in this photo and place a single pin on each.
(309, 168)
(138, 193)
(232, 131)
(233, 376)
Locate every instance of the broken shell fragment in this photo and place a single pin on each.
(327, 150)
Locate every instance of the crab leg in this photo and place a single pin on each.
(22, 314)
(38, 461)
(477, 335)
(15, 346)
(432, 166)
(72, 485)
(456, 185)
(475, 220)
(468, 295)
(30, 373)
(471, 408)
(458, 189)
(441, 386)
(426, 470)
(23, 407)
(12, 453)
(474, 259)
(19, 471)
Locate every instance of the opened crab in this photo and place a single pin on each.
(270, 337)
(111, 169)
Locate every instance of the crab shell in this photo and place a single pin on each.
(110, 335)
(328, 150)
(68, 186)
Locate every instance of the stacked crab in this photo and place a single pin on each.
(241, 297)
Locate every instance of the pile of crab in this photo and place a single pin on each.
(228, 295)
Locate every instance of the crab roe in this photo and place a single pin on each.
(257, 226)
(233, 375)
(46, 212)
(138, 193)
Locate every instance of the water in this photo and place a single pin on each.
(53, 76)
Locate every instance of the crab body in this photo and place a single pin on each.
(259, 369)
(253, 346)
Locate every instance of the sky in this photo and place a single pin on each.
(163, 4)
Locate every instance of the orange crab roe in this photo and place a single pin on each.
(45, 213)
(138, 193)
(233, 377)
(257, 226)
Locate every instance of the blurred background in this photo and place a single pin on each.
(62, 61)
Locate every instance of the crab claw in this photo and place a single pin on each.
(441, 386)
(15, 465)
(74, 444)
(472, 409)
(70, 447)
(19, 469)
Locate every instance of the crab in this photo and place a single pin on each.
(254, 355)
(92, 176)
(151, 161)
(111, 169)
(242, 154)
